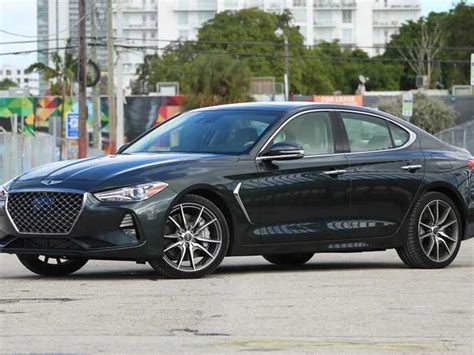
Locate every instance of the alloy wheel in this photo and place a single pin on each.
(438, 230)
(193, 237)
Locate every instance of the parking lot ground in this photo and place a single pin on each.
(365, 302)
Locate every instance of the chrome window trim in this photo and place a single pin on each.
(410, 141)
(84, 199)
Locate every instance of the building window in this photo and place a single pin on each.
(346, 36)
(183, 35)
(153, 34)
(1, 72)
(18, 81)
(9, 72)
(299, 3)
(183, 18)
(26, 80)
(346, 16)
(18, 72)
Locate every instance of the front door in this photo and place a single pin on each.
(386, 172)
(307, 199)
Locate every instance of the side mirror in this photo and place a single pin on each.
(284, 151)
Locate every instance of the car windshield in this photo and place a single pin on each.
(208, 131)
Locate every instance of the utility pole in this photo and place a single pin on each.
(97, 137)
(287, 90)
(83, 144)
(120, 128)
(279, 33)
(111, 89)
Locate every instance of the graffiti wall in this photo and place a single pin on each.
(34, 113)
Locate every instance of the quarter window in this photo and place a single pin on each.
(399, 135)
(312, 130)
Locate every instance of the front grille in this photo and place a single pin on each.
(44, 212)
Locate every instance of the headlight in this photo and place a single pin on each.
(132, 193)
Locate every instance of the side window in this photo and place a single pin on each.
(366, 133)
(312, 130)
(399, 135)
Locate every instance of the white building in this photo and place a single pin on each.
(20, 78)
(365, 24)
(360, 23)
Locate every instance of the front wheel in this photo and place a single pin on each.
(51, 266)
(434, 233)
(288, 259)
(195, 240)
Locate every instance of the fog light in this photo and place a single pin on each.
(128, 226)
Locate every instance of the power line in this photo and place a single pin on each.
(52, 35)
(49, 50)
(277, 55)
(281, 44)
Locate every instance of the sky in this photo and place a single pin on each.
(19, 16)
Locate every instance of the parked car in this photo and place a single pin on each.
(282, 180)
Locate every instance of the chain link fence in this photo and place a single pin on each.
(19, 153)
(460, 136)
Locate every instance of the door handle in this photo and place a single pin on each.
(411, 167)
(334, 172)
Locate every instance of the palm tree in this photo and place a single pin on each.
(60, 75)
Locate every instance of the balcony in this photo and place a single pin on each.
(334, 4)
(141, 26)
(379, 23)
(398, 5)
(196, 5)
(323, 23)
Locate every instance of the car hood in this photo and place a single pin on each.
(113, 167)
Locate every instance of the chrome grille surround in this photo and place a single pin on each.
(44, 212)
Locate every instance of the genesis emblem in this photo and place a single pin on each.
(51, 182)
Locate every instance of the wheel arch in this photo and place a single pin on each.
(210, 193)
(454, 195)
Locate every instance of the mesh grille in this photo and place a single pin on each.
(44, 212)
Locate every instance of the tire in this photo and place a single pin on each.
(204, 235)
(288, 259)
(43, 265)
(434, 233)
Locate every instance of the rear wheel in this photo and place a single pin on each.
(51, 266)
(288, 259)
(434, 233)
(195, 240)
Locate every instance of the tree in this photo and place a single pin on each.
(6, 83)
(213, 81)
(429, 113)
(458, 26)
(439, 36)
(60, 76)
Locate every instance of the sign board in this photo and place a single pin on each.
(407, 104)
(72, 125)
(355, 100)
(472, 69)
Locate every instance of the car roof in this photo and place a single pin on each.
(287, 106)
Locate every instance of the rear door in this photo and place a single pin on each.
(386, 170)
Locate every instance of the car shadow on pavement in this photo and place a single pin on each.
(144, 274)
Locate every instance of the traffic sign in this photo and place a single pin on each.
(407, 104)
(72, 125)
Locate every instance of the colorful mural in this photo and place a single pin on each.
(140, 112)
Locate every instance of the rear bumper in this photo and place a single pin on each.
(97, 233)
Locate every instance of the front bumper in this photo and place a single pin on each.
(97, 233)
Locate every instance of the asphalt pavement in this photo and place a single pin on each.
(350, 303)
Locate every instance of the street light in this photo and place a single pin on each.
(279, 33)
